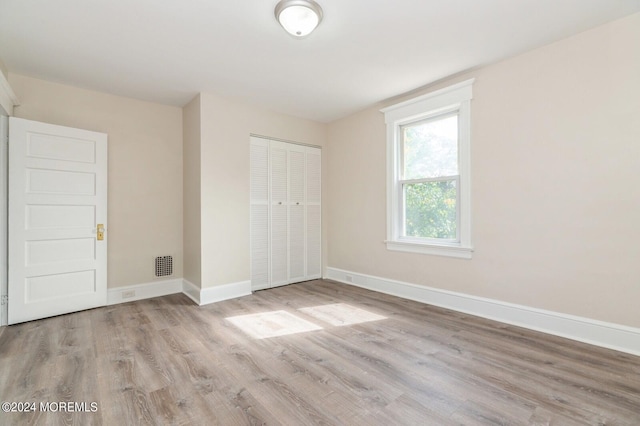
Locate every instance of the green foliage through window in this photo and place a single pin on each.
(430, 209)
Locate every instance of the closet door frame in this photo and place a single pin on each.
(313, 213)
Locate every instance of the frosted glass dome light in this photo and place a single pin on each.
(298, 17)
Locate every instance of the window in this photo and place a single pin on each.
(428, 142)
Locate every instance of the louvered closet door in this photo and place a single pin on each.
(285, 213)
(313, 213)
(279, 214)
(297, 237)
(260, 214)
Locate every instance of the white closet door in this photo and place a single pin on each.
(314, 213)
(297, 235)
(259, 214)
(279, 215)
(286, 215)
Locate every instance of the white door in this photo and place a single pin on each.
(57, 200)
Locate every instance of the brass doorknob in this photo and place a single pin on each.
(100, 232)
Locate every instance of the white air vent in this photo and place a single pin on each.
(164, 266)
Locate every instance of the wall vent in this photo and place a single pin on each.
(164, 266)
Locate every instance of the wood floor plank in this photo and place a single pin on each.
(168, 361)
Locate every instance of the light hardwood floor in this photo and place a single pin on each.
(168, 361)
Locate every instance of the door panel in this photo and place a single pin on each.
(59, 182)
(279, 215)
(259, 247)
(279, 246)
(314, 241)
(278, 175)
(57, 196)
(54, 147)
(259, 214)
(55, 286)
(55, 217)
(296, 176)
(296, 212)
(296, 243)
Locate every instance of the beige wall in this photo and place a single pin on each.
(7, 100)
(555, 183)
(145, 169)
(226, 126)
(191, 135)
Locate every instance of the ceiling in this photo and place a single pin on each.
(364, 51)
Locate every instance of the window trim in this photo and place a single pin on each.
(455, 98)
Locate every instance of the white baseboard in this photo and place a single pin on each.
(143, 291)
(191, 290)
(599, 333)
(204, 296)
(162, 288)
(224, 292)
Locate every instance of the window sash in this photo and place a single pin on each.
(440, 115)
(402, 208)
(401, 183)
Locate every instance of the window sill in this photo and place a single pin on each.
(435, 249)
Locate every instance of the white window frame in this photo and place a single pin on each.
(456, 98)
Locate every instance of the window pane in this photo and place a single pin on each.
(430, 209)
(431, 148)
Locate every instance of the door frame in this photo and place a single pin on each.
(4, 284)
(8, 100)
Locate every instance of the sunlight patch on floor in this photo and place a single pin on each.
(339, 314)
(272, 324)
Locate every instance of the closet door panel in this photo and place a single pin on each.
(279, 214)
(296, 174)
(314, 175)
(279, 186)
(259, 171)
(296, 243)
(314, 242)
(259, 214)
(259, 247)
(296, 212)
(279, 245)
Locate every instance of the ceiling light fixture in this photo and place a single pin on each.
(298, 17)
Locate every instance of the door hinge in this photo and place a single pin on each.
(5, 299)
